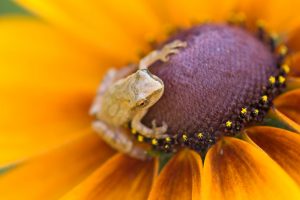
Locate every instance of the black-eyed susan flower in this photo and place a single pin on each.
(241, 62)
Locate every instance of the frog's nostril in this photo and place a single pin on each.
(223, 80)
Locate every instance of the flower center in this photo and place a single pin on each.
(225, 79)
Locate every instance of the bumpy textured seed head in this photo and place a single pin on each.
(222, 69)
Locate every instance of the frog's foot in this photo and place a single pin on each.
(171, 48)
(162, 54)
(118, 139)
(159, 130)
(155, 132)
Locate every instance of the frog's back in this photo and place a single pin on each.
(115, 105)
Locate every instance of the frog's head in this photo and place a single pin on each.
(146, 89)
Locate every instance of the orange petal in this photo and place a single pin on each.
(294, 62)
(289, 105)
(83, 20)
(180, 178)
(234, 169)
(119, 178)
(293, 40)
(293, 83)
(53, 173)
(290, 123)
(281, 145)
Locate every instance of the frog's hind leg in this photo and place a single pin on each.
(154, 132)
(162, 54)
(119, 140)
(110, 77)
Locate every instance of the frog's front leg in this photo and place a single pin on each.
(117, 138)
(155, 132)
(162, 54)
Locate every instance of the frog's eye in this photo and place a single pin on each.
(142, 103)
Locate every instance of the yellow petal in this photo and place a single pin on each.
(119, 178)
(180, 178)
(34, 121)
(36, 55)
(134, 16)
(83, 20)
(288, 104)
(253, 9)
(281, 145)
(47, 83)
(279, 16)
(183, 12)
(234, 169)
(53, 173)
(283, 15)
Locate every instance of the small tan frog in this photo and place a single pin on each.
(124, 96)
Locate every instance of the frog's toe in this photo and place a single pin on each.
(153, 124)
(177, 44)
(161, 130)
(173, 51)
(164, 58)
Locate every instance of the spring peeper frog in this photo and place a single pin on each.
(125, 95)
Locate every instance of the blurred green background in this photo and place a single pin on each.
(9, 7)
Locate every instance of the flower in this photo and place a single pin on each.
(50, 67)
